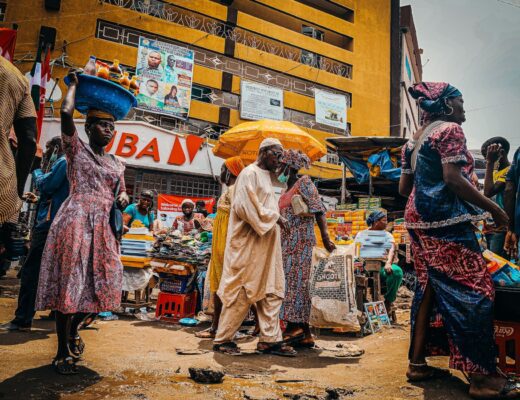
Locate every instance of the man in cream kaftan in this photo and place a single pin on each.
(253, 267)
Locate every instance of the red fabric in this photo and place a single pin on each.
(7, 43)
(46, 76)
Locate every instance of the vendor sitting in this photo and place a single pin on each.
(189, 220)
(140, 211)
(391, 272)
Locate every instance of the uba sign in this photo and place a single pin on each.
(147, 146)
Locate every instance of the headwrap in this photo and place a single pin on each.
(235, 165)
(432, 96)
(99, 114)
(147, 194)
(374, 217)
(187, 201)
(269, 142)
(296, 159)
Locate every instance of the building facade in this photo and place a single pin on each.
(339, 46)
(411, 72)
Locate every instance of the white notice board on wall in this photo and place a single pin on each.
(330, 109)
(259, 101)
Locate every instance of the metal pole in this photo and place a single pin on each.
(344, 184)
(369, 186)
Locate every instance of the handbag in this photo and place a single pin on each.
(116, 216)
(300, 208)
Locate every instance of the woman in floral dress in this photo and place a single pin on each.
(452, 310)
(297, 244)
(81, 270)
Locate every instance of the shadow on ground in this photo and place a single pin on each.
(45, 384)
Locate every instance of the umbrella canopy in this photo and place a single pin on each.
(244, 140)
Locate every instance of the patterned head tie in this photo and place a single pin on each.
(296, 159)
(432, 97)
(186, 202)
(235, 165)
(374, 217)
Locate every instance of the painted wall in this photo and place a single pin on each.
(370, 55)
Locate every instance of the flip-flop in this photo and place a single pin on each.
(432, 373)
(76, 346)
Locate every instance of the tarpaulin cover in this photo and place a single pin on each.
(378, 165)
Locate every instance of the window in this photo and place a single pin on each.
(3, 6)
(308, 57)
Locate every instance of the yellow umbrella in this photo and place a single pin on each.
(244, 140)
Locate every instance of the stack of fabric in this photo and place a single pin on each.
(374, 244)
(136, 243)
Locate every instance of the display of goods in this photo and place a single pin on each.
(188, 249)
(369, 202)
(115, 72)
(99, 94)
(503, 272)
(350, 206)
(125, 81)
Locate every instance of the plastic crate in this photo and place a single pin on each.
(173, 307)
(507, 338)
(177, 285)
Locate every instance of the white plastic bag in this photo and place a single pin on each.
(333, 289)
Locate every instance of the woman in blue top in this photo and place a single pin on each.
(142, 211)
(452, 311)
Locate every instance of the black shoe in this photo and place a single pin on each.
(11, 327)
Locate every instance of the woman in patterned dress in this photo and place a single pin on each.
(452, 311)
(81, 271)
(297, 244)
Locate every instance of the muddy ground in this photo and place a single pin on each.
(134, 359)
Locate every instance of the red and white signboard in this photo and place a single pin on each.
(169, 206)
(146, 146)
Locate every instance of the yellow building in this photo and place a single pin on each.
(340, 46)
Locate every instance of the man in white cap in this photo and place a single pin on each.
(253, 267)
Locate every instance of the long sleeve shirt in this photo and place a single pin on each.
(54, 189)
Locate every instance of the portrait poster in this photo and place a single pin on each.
(330, 109)
(259, 101)
(165, 73)
(169, 206)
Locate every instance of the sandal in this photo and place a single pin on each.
(277, 349)
(307, 343)
(229, 348)
(427, 373)
(294, 336)
(76, 346)
(206, 334)
(65, 366)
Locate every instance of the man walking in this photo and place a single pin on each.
(53, 187)
(253, 268)
(17, 111)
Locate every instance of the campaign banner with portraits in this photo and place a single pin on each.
(330, 109)
(165, 73)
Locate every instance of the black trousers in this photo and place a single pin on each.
(29, 275)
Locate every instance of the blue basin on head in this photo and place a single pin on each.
(101, 94)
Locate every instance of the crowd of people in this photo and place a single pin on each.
(262, 243)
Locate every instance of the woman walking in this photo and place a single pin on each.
(452, 311)
(81, 271)
(297, 244)
(228, 176)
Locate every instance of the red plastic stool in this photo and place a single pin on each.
(173, 307)
(507, 338)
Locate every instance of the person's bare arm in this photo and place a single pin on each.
(67, 106)
(321, 220)
(26, 132)
(405, 184)
(491, 188)
(511, 241)
(454, 179)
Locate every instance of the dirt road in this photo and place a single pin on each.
(133, 359)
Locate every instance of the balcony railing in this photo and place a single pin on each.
(193, 20)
